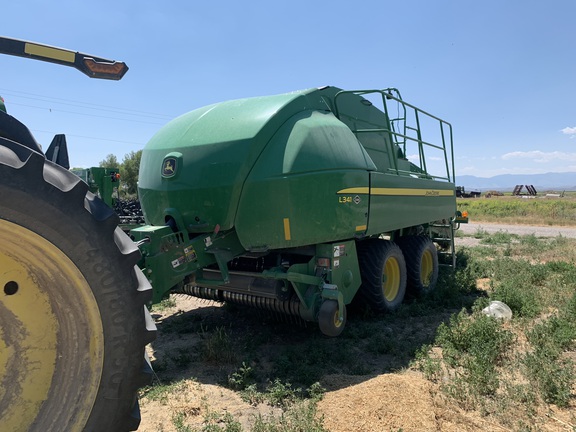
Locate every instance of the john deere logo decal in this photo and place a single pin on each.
(169, 167)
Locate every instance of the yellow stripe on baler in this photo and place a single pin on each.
(287, 235)
(397, 191)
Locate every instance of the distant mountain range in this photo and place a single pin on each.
(506, 182)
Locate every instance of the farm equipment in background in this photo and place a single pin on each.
(106, 183)
(103, 182)
(73, 320)
(461, 193)
(299, 203)
(518, 190)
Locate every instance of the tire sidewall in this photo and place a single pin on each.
(372, 256)
(85, 231)
(414, 248)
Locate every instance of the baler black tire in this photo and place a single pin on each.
(328, 318)
(85, 298)
(421, 263)
(383, 274)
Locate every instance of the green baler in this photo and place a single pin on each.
(299, 203)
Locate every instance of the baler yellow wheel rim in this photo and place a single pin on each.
(51, 339)
(336, 318)
(426, 268)
(391, 279)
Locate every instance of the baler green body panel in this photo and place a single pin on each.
(289, 199)
(214, 149)
(398, 202)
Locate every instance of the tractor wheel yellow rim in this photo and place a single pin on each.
(426, 268)
(51, 339)
(391, 279)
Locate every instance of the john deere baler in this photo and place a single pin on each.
(298, 203)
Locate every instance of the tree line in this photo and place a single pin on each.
(128, 169)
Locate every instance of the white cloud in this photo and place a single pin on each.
(569, 131)
(540, 156)
(413, 158)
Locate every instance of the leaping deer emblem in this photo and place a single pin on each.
(169, 167)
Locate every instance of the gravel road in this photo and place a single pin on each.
(538, 231)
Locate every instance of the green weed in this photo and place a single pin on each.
(498, 238)
(215, 422)
(178, 422)
(282, 394)
(551, 373)
(316, 392)
(532, 243)
(216, 346)
(480, 233)
(302, 417)
(521, 298)
(552, 377)
(429, 365)
(475, 345)
(519, 283)
(252, 395)
(167, 303)
(160, 392)
(241, 378)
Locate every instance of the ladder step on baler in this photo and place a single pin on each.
(444, 235)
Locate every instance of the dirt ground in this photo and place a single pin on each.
(389, 402)
(401, 401)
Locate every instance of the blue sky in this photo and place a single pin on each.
(502, 72)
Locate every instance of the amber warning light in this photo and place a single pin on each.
(105, 70)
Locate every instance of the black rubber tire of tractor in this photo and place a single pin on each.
(421, 263)
(374, 255)
(93, 298)
(328, 320)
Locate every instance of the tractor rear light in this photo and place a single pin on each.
(323, 262)
(114, 70)
(464, 214)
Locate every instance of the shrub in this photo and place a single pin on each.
(520, 298)
(553, 377)
(551, 373)
(299, 418)
(476, 344)
(499, 237)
